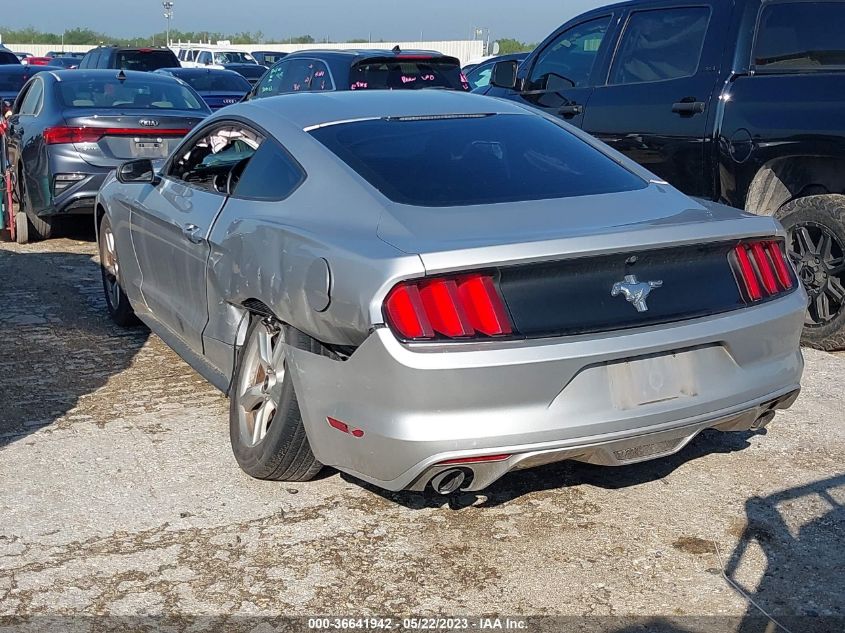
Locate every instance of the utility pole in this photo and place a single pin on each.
(168, 15)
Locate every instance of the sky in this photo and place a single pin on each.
(338, 20)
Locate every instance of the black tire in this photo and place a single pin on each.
(39, 228)
(283, 452)
(117, 303)
(816, 246)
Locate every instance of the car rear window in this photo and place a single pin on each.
(214, 82)
(129, 94)
(9, 58)
(474, 159)
(146, 60)
(11, 81)
(800, 36)
(407, 74)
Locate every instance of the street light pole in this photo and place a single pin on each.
(168, 15)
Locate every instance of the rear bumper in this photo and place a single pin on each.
(545, 400)
(79, 198)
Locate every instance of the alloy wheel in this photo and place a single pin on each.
(819, 259)
(108, 260)
(260, 386)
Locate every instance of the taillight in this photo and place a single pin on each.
(762, 270)
(62, 134)
(462, 306)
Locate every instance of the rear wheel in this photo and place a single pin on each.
(39, 228)
(816, 247)
(265, 425)
(21, 228)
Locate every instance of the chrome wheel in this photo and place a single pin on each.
(108, 261)
(819, 260)
(261, 380)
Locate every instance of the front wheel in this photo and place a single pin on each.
(816, 247)
(265, 424)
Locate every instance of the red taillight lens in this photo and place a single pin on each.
(62, 134)
(452, 307)
(762, 270)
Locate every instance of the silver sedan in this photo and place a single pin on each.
(434, 288)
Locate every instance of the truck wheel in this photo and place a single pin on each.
(265, 425)
(39, 228)
(816, 246)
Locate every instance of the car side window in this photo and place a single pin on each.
(272, 81)
(479, 77)
(204, 58)
(568, 61)
(31, 103)
(301, 76)
(103, 61)
(271, 175)
(214, 160)
(800, 36)
(660, 44)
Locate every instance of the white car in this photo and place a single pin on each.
(213, 57)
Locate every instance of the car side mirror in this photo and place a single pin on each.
(504, 74)
(138, 171)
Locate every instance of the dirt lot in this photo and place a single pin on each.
(120, 496)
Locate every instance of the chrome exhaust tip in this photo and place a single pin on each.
(449, 481)
(763, 420)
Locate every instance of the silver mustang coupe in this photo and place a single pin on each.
(436, 288)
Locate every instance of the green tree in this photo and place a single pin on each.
(508, 45)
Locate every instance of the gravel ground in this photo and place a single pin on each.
(120, 497)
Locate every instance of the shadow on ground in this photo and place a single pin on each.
(57, 343)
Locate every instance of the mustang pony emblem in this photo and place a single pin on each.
(635, 291)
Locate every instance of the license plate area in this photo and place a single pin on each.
(149, 149)
(652, 380)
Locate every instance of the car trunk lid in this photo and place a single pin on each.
(556, 262)
(109, 137)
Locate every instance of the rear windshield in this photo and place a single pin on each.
(130, 94)
(801, 36)
(476, 159)
(406, 74)
(9, 58)
(146, 60)
(212, 82)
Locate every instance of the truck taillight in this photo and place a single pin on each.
(461, 306)
(762, 270)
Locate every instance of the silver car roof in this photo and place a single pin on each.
(308, 110)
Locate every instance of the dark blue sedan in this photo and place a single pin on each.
(217, 87)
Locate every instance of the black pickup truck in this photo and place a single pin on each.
(737, 101)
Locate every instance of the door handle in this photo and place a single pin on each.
(570, 111)
(688, 107)
(191, 232)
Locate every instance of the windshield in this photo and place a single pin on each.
(146, 60)
(214, 82)
(407, 74)
(130, 94)
(234, 57)
(474, 159)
